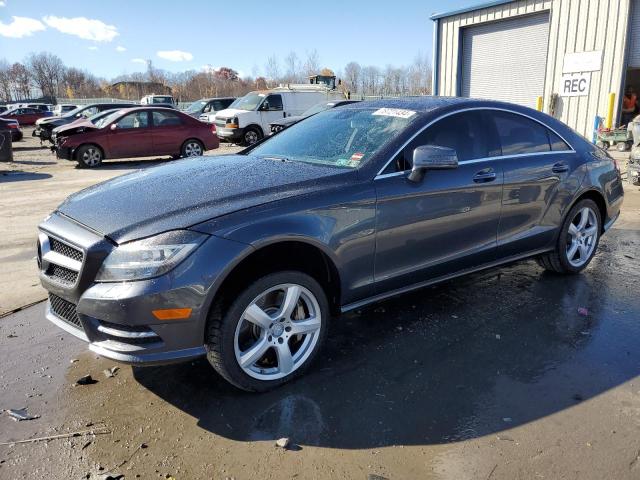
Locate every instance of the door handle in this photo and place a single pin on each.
(486, 175)
(560, 168)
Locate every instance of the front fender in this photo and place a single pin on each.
(340, 222)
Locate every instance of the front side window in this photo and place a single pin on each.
(272, 103)
(166, 119)
(134, 120)
(340, 138)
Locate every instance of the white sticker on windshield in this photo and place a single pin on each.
(394, 112)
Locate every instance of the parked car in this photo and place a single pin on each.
(136, 132)
(159, 100)
(79, 125)
(206, 108)
(286, 122)
(44, 107)
(13, 126)
(62, 108)
(248, 118)
(44, 127)
(25, 115)
(245, 258)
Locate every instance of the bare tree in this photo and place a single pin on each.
(292, 65)
(352, 76)
(5, 81)
(46, 71)
(21, 81)
(272, 68)
(312, 63)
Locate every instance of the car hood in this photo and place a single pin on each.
(187, 192)
(230, 112)
(54, 121)
(77, 126)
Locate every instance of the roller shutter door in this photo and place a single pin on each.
(634, 46)
(506, 60)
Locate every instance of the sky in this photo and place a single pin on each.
(114, 37)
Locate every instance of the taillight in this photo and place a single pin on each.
(13, 125)
(213, 128)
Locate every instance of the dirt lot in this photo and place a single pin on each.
(30, 188)
(505, 374)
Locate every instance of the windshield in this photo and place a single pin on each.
(317, 108)
(249, 102)
(103, 122)
(196, 106)
(100, 116)
(72, 113)
(342, 138)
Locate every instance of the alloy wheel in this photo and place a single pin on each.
(91, 157)
(582, 237)
(277, 332)
(192, 149)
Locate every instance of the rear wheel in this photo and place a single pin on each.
(578, 240)
(270, 333)
(89, 156)
(192, 148)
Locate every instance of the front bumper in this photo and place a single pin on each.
(117, 318)
(64, 153)
(231, 134)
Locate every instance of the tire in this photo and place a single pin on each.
(583, 246)
(622, 146)
(231, 336)
(89, 156)
(192, 148)
(251, 135)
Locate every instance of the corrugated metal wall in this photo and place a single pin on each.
(576, 26)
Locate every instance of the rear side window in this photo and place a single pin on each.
(557, 144)
(519, 135)
(166, 119)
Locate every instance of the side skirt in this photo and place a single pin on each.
(443, 278)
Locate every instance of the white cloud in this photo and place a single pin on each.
(175, 55)
(3, 3)
(93, 47)
(139, 60)
(21, 27)
(120, 48)
(82, 27)
(208, 68)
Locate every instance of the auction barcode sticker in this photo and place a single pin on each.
(394, 112)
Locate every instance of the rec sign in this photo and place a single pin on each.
(575, 85)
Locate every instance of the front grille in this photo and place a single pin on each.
(62, 274)
(64, 310)
(66, 250)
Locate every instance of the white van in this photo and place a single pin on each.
(157, 100)
(248, 118)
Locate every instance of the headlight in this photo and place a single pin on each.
(150, 257)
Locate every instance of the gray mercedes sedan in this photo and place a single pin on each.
(246, 258)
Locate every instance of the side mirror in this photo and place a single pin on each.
(114, 126)
(432, 157)
(265, 106)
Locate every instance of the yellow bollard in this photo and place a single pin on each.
(612, 102)
(539, 103)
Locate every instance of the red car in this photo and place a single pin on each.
(25, 116)
(136, 132)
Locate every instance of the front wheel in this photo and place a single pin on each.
(89, 156)
(251, 135)
(578, 240)
(270, 333)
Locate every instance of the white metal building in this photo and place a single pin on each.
(571, 53)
